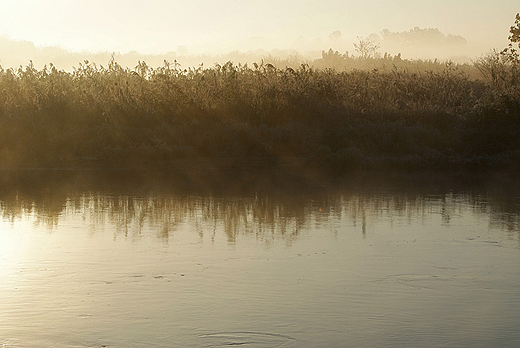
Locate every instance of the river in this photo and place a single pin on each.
(365, 262)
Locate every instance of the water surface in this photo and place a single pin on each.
(362, 263)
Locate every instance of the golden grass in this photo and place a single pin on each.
(340, 118)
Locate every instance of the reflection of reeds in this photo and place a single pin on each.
(108, 114)
(267, 214)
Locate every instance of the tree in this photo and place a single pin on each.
(502, 69)
(333, 59)
(335, 35)
(510, 53)
(366, 48)
(515, 31)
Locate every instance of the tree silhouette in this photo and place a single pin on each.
(515, 31)
(502, 69)
(366, 48)
(335, 35)
(510, 53)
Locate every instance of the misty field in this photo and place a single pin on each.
(340, 119)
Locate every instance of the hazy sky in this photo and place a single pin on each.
(158, 26)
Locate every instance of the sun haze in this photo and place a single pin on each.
(202, 26)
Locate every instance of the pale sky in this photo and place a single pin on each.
(159, 26)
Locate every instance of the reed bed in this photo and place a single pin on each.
(340, 119)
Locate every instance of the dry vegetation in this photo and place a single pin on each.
(403, 115)
(107, 114)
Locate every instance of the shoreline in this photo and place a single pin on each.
(333, 162)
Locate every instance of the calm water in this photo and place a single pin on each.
(362, 264)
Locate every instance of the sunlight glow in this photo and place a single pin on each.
(13, 245)
(204, 26)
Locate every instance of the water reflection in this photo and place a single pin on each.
(131, 206)
(95, 259)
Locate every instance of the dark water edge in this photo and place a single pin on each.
(323, 160)
(290, 177)
(250, 175)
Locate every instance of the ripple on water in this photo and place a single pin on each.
(244, 338)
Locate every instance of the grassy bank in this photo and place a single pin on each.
(102, 115)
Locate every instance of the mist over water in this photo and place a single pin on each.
(208, 28)
(415, 43)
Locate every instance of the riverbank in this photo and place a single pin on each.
(228, 177)
(113, 117)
